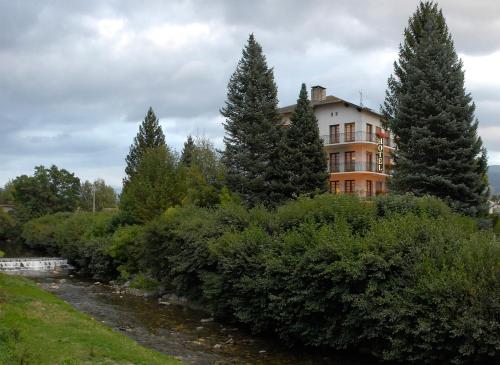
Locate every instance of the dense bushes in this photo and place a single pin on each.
(403, 277)
(83, 238)
(8, 226)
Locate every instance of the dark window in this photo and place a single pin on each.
(349, 132)
(369, 162)
(335, 187)
(379, 187)
(350, 186)
(369, 188)
(334, 133)
(350, 161)
(334, 162)
(369, 133)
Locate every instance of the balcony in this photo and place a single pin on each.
(357, 166)
(349, 137)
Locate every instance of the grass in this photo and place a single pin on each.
(38, 328)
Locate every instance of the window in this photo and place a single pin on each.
(349, 132)
(369, 133)
(334, 162)
(335, 187)
(350, 186)
(350, 161)
(334, 133)
(387, 141)
(369, 161)
(387, 164)
(379, 187)
(369, 188)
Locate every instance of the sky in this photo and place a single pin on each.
(77, 77)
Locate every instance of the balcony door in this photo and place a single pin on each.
(350, 161)
(335, 187)
(334, 133)
(369, 133)
(349, 132)
(369, 161)
(334, 162)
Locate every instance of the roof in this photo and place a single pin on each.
(330, 99)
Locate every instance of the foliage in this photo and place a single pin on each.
(154, 187)
(83, 238)
(150, 136)
(203, 176)
(7, 193)
(335, 271)
(39, 328)
(439, 151)
(105, 196)
(253, 133)
(303, 157)
(8, 226)
(47, 191)
(401, 276)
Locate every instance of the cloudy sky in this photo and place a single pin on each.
(76, 77)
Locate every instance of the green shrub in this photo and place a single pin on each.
(8, 226)
(401, 276)
(40, 233)
(141, 281)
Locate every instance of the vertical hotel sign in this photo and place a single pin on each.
(380, 151)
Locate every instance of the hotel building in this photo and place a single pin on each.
(357, 146)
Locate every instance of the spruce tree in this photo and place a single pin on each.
(304, 158)
(438, 149)
(253, 130)
(150, 135)
(188, 152)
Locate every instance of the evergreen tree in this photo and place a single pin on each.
(438, 149)
(154, 187)
(188, 152)
(253, 132)
(303, 157)
(150, 135)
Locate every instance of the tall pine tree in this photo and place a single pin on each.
(253, 130)
(303, 158)
(438, 149)
(150, 136)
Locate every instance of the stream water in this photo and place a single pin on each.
(178, 330)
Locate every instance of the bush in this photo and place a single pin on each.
(83, 238)
(401, 276)
(8, 227)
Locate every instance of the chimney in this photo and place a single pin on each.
(318, 93)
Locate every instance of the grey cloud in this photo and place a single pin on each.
(73, 96)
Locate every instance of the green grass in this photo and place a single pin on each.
(38, 328)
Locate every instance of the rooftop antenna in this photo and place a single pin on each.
(361, 98)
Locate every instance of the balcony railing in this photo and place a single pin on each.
(361, 193)
(354, 166)
(358, 136)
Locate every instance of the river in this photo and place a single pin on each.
(178, 330)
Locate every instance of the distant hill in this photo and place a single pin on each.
(494, 177)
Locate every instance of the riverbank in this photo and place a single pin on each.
(39, 328)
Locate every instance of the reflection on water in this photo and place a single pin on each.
(178, 330)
